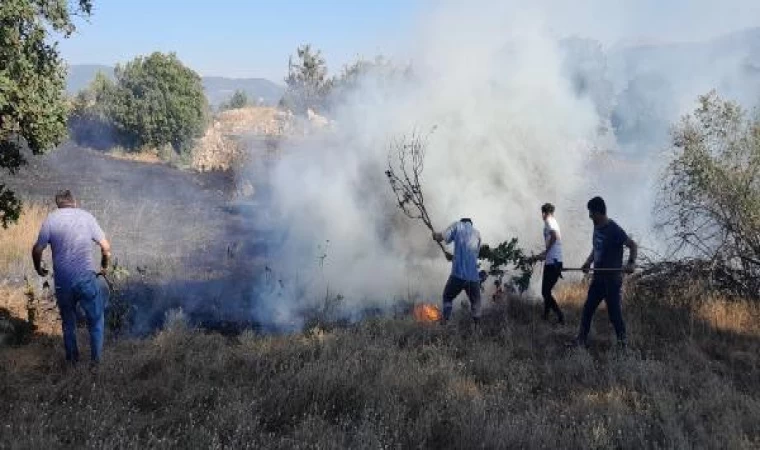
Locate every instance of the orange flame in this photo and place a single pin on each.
(426, 313)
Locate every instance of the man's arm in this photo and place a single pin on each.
(43, 239)
(634, 253)
(549, 245)
(446, 235)
(587, 265)
(37, 260)
(105, 254)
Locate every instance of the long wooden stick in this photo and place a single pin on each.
(592, 269)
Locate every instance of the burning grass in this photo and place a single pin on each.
(426, 313)
(689, 380)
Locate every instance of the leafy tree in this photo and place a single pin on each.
(158, 101)
(381, 72)
(308, 85)
(238, 100)
(89, 122)
(709, 204)
(32, 78)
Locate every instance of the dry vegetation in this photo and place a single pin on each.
(148, 156)
(15, 265)
(219, 149)
(16, 241)
(690, 380)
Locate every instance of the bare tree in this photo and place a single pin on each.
(406, 162)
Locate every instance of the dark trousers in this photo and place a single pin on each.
(552, 273)
(607, 288)
(454, 286)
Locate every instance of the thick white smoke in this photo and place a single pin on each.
(522, 117)
(511, 134)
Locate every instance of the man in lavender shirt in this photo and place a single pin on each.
(71, 231)
(464, 268)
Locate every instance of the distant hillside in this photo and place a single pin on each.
(81, 75)
(218, 89)
(728, 63)
(643, 89)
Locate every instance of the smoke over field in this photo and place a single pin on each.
(520, 117)
(522, 104)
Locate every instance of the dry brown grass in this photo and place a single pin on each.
(14, 301)
(17, 240)
(16, 264)
(736, 316)
(147, 156)
(256, 120)
(571, 293)
(398, 384)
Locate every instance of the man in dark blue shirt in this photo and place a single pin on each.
(607, 258)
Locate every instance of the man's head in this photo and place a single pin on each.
(547, 210)
(597, 210)
(65, 199)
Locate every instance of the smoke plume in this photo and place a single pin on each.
(521, 117)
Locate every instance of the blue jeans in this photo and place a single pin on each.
(89, 294)
(607, 288)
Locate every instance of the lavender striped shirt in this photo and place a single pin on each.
(70, 233)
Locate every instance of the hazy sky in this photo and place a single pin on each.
(253, 38)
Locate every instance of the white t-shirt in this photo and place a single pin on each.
(555, 253)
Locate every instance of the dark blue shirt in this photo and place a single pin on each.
(608, 246)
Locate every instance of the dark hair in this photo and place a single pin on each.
(596, 205)
(547, 208)
(64, 197)
(466, 219)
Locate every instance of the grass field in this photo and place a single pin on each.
(691, 379)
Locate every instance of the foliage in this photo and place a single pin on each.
(502, 256)
(238, 100)
(119, 310)
(32, 79)
(308, 85)
(90, 122)
(709, 202)
(158, 101)
(380, 72)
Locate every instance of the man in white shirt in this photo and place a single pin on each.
(464, 267)
(552, 256)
